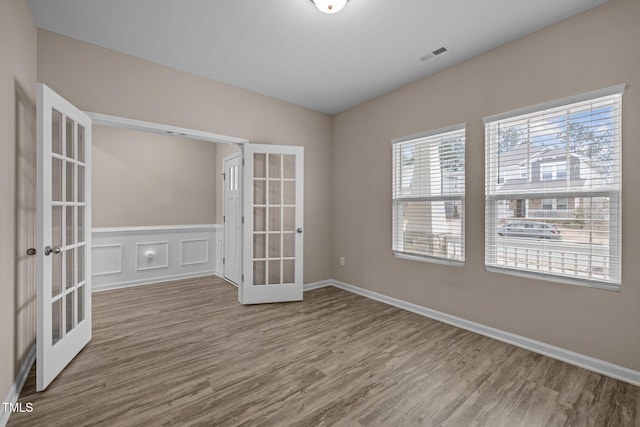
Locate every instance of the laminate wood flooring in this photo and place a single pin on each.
(186, 353)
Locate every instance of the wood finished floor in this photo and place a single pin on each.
(186, 353)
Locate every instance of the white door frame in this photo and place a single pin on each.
(230, 273)
(115, 121)
(122, 122)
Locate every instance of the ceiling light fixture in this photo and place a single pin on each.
(329, 6)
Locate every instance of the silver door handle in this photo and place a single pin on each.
(49, 250)
(299, 230)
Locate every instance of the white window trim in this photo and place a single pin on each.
(429, 258)
(491, 200)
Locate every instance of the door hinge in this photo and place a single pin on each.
(243, 219)
(224, 176)
(224, 218)
(224, 260)
(243, 278)
(242, 162)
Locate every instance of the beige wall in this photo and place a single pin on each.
(143, 178)
(17, 93)
(101, 80)
(596, 49)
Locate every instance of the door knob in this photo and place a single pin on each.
(31, 251)
(49, 250)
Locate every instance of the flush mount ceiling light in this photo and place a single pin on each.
(329, 6)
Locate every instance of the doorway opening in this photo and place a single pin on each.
(170, 191)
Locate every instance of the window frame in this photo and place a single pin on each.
(494, 198)
(457, 198)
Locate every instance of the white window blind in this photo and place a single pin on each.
(560, 218)
(428, 195)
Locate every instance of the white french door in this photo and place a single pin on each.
(273, 224)
(64, 234)
(232, 219)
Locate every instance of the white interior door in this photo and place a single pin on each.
(232, 220)
(273, 224)
(64, 234)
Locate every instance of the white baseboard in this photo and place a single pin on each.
(14, 392)
(590, 363)
(155, 280)
(317, 285)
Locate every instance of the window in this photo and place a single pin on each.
(554, 170)
(428, 196)
(563, 223)
(523, 172)
(562, 204)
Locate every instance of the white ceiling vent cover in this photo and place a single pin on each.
(433, 54)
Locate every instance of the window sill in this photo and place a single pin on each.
(558, 279)
(429, 259)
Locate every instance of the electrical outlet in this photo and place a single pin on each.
(342, 261)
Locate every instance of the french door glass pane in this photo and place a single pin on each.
(259, 192)
(259, 166)
(259, 272)
(274, 245)
(56, 241)
(288, 271)
(275, 165)
(69, 225)
(56, 179)
(80, 183)
(274, 272)
(69, 152)
(81, 303)
(289, 219)
(56, 275)
(289, 196)
(69, 185)
(69, 311)
(258, 219)
(259, 245)
(69, 258)
(80, 224)
(80, 143)
(56, 321)
(56, 132)
(289, 166)
(275, 192)
(275, 218)
(288, 245)
(80, 272)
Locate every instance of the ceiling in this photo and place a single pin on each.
(289, 50)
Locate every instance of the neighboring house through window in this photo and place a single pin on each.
(555, 169)
(428, 196)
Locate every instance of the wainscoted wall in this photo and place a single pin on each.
(129, 256)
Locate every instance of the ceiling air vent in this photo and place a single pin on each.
(435, 53)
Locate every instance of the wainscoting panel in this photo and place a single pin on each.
(194, 251)
(130, 256)
(152, 255)
(109, 259)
